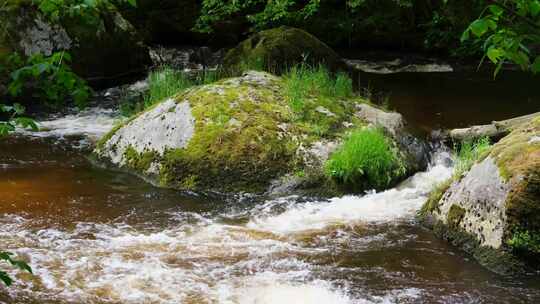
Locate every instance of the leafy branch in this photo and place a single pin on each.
(510, 30)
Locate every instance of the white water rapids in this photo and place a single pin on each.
(270, 257)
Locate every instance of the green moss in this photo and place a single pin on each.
(432, 204)
(276, 50)
(238, 143)
(515, 153)
(139, 162)
(105, 138)
(455, 215)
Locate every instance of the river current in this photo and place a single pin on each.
(93, 235)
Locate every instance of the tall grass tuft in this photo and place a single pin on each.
(164, 83)
(303, 82)
(365, 160)
(468, 152)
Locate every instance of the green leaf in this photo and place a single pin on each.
(27, 123)
(496, 10)
(18, 108)
(479, 27)
(466, 35)
(495, 54)
(4, 277)
(536, 65)
(534, 7)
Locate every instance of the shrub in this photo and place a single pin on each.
(49, 78)
(365, 160)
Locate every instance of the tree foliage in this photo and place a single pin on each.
(510, 30)
(14, 118)
(49, 78)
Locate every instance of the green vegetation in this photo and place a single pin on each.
(13, 119)
(468, 153)
(510, 30)
(86, 11)
(524, 241)
(7, 258)
(50, 79)
(365, 159)
(319, 100)
(301, 82)
(164, 83)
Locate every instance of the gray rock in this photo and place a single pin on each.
(482, 194)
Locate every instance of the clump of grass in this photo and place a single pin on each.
(365, 160)
(164, 83)
(319, 99)
(303, 82)
(469, 152)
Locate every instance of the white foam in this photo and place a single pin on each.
(390, 205)
(91, 122)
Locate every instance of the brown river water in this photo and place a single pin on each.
(94, 235)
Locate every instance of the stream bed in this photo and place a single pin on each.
(94, 235)
(99, 236)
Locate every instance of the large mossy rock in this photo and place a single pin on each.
(493, 211)
(280, 48)
(104, 52)
(238, 134)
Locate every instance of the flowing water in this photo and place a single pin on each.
(98, 236)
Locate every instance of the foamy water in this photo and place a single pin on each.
(204, 260)
(91, 123)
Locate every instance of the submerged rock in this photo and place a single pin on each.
(238, 134)
(493, 211)
(277, 49)
(109, 50)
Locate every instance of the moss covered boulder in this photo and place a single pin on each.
(493, 211)
(106, 51)
(238, 134)
(280, 48)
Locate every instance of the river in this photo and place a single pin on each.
(94, 235)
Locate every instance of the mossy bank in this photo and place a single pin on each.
(240, 134)
(493, 210)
